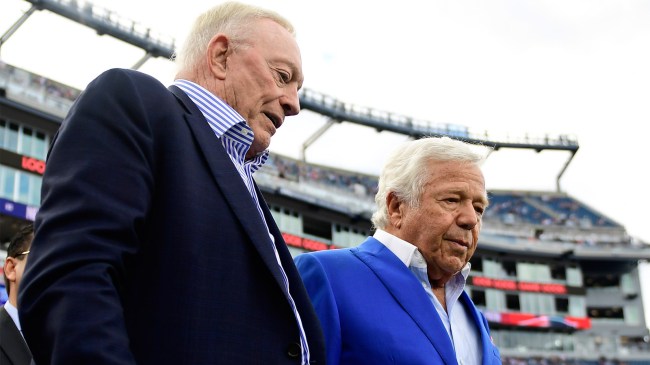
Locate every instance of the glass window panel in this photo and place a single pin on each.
(577, 306)
(39, 149)
(525, 271)
(11, 137)
(627, 284)
(492, 269)
(3, 127)
(23, 188)
(26, 141)
(573, 276)
(8, 183)
(35, 190)
(495, 300)
(632, 315)
(543, 273)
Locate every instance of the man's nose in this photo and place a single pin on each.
(290, 102)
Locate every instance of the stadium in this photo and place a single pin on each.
(557, 279)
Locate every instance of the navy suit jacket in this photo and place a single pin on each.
(373, 310)
(149, 248)
(13, 349)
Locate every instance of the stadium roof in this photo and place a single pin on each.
(104, 21)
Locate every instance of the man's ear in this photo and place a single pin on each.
(219, 48)
(394, 207)
(10, 269)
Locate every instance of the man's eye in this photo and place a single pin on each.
(284, 77)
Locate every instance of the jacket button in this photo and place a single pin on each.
(294, 350)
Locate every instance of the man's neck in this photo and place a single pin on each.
(13, 298)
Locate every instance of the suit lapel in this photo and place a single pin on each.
(486, 341)
(230, 183)
(407, 291)
(11, 341)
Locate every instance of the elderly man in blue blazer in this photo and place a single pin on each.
(398, 298)
(153, 244)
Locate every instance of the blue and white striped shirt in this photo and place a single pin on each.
(236, 137)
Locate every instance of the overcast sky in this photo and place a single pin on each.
(508, 67)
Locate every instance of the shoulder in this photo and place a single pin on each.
(126, 74)
(321, 260)
(329, 263)
(124, 79)
(5, 322)
(325, 255)
(117, 89)
(3, 314)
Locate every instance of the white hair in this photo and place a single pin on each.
(230, 18)
(406, 170)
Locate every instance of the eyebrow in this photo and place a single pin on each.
(483, 199)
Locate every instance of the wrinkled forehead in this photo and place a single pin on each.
(278, 45)
(454, 174)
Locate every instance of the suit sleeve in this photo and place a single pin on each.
(320, 291)
(96, 193)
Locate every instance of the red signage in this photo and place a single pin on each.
(521, 285)
(18, 161)
(306, 243)
(33, 165)
(542, 321)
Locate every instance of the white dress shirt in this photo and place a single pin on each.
(459, 324)
(13, 313)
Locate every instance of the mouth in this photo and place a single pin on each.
(459, 242)
(275, 120)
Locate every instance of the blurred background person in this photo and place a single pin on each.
(13, 348)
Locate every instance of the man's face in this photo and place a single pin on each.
(13, 270)
(262, 81)
(446, 225)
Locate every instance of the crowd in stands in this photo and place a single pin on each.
(543, 209)
(45, 94)
(362, 186)
(512, 209)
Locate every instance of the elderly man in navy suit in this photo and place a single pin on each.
(398, 297)
(153, 243)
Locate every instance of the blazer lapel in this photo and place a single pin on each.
(230, 182)
(407, 291)
(11, 341)
(489, 350)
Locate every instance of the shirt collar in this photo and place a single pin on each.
(217, 112)
(13, 313)
(407, 252)
(224, 121)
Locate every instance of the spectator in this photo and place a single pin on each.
(13, 349)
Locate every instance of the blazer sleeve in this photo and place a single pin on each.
(96, 193)
(320, 291)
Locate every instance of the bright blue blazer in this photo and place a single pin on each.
(373, 310)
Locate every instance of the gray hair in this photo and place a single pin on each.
(230, 18)
(406, 170)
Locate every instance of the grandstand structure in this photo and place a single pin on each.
(557, 279)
